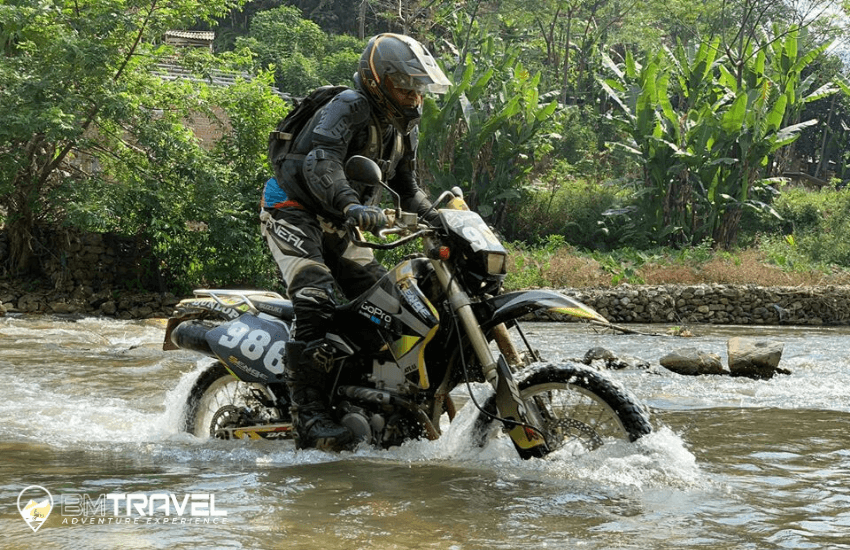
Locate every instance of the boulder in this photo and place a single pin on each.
(62, 307)
(597, 354)
(626, 362)
(601, 358)
(754, 358)
(692, 362)
(31, 303)
(108, 308)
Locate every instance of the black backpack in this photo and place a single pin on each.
(280, 141)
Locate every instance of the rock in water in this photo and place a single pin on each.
(692, 362)
(754, 358)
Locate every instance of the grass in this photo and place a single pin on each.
(566, 267)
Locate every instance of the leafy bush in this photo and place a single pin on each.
(483, 132)
(297, 74)
(529, 267)
(813, 232)
(575, 138)
(559, 204)
(195, 203)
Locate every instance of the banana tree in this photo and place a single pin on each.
(478, 134)
(704, 154)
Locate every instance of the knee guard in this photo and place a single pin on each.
(314, 311)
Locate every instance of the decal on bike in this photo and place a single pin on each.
(375, 314)
(253, 346)
(417, 302)
(379, 307)
(270, 431)
(402, 346)
(475, 237)
(226, 309)
(242, 367)
(474, 231)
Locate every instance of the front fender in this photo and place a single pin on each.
(512, 305)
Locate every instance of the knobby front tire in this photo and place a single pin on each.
(578, 409)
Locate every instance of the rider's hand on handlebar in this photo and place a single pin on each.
(368, 218)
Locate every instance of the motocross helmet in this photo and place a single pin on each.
(394, 72)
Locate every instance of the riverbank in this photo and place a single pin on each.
(27, 298)
(675, 304)
(88, 274)
(720, 304)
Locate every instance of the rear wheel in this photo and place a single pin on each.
(218, 400)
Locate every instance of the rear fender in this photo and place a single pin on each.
(513, 305)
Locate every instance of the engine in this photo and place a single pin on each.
(378, 417)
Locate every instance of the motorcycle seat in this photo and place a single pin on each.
(277, 307)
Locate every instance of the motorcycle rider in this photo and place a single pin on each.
(305, 209)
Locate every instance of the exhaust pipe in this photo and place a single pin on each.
(192, 335)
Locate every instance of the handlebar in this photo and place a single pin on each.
(400, 223)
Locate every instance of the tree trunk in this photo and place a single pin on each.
(22, 259)
(361, 21)
(567, 57)
(675, 207)
(726, 233)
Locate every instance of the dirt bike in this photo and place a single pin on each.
(435, 322)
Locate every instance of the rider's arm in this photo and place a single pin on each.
(339, 121)
(413, 199)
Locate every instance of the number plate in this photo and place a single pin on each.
(254, 349)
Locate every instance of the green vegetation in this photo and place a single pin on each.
(807, 245)
(611, 142)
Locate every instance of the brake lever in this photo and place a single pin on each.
(353, 234)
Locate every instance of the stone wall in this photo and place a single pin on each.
(720, 304)
(99, 261)
(90, 274)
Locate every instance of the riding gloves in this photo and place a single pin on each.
(368, 218)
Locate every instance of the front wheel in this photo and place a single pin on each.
(578, 409)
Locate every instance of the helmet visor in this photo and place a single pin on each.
(419, 72)
(422, 80)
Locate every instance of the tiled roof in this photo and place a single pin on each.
(192, 35)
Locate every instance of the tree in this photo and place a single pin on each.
(302, 54)
(194, 202)
(482, 135)
(572, 32)
(411, 17)
(704, 127)
(67, 68)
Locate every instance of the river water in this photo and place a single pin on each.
(90, 409)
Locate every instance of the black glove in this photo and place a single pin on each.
(368, 218)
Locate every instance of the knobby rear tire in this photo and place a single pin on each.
(216, 389)
(210, 376)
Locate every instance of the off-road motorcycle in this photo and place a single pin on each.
(436, 322)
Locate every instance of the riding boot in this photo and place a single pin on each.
(308, 384)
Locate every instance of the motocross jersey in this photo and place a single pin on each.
(273, 195)
(312, 175)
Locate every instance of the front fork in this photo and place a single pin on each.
(496, 370)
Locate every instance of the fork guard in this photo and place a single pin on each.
(513, 305)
